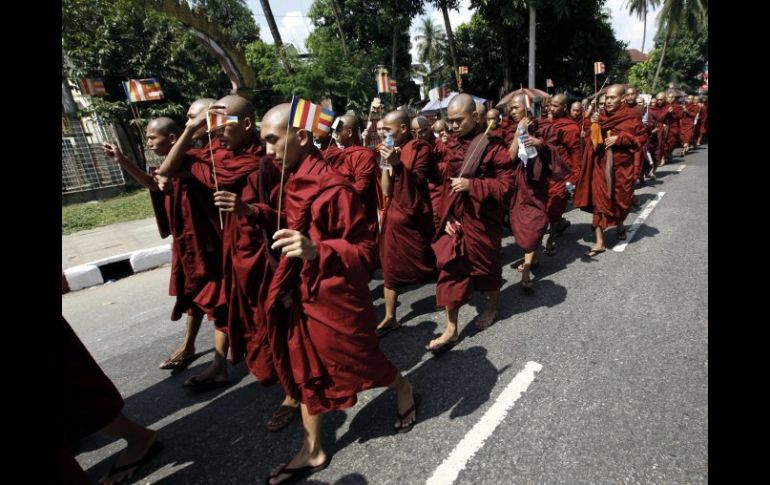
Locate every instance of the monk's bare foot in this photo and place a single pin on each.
(301, 460)
(387, 325)
(486, 318)
(180, 358)
(133, 453)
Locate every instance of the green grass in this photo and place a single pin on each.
(131, 206)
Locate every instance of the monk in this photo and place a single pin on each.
(702, 125)
(493, 118)
(407, 227)
(606, 184)
(660, 120)
(528, 206)
(441, 136)
(477, 183)
(90, 402)
(321, 318)
(565, 137)
(421, 130)
(674, 131)
(689, 113)
(184, 209)
(632, 94)
(232, 168)
(360, 167)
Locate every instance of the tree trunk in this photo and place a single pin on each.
(451, 41)
(662, 56)
(644, 32)
(271, 23)
(532, 25)
(394, 53)
(339, 26)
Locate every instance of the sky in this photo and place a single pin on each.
(294, 25)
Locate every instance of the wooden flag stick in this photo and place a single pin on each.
(214, 169)
(283, 168)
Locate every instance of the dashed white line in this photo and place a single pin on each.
(638, 222)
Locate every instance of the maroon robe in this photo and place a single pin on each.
(703, 126)
(333, 154)
(436, 181)
(673, 129)
(324, 345)
(660, 120)
(527, 210)
(231, 173)
(360, 167)
(472, 259)
(565, 135)
(248, 269)
(689, 113)
(189, 215)
(89, 400)
(611, 205)
(407, 226)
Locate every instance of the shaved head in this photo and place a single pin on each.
(164, 126)
(439, 126)
(576, 111)
(397, 116)
(463, 103)
(397, 124)
(291, 145)
(614, 97)
(237, 105)
(481, 109)
(348, 130)
(198, 106)
(236, 136)
(517, 107)
(421, 129)
(559, 106)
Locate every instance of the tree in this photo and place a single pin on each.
(445, 5)
(674, 16)
(640, 8)
(271, 23)
(431, 43)
(686, 56)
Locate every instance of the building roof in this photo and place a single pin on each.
(637, 55)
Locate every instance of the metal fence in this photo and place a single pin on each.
(83, 163)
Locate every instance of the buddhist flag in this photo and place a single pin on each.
(324, 122)
(463, 70)
(92, 87)
(143, 90)
(383, 82)
(393, 87)
(216, 120)
(549, 83)
(303, 114)
(599, 68)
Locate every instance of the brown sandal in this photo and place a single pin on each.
(281, 418)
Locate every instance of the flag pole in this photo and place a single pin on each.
(213, 165)
(283, 166)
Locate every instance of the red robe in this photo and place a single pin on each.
(360, 167)
(324, 345)
(231, 173)
(333, 154)
(611, 205)
(472, 259)
(407, 226)
(566, 140)
(673, 131)
(88, 400)
(527, 210)
(686, 123)
(248, 269)
(436, 181)
(189, 214)
(703, 125)
(660, 120)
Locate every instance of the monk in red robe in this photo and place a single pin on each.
(184, 209)
(321, 319)
(90, 402)
(407, 227)
(689, 113)
(702, 126)
(564, 135)
(232, 169)
(674, 130)
(360, 167)
(527, 207)
(441, 136)
(631, 99)
(584, 124)
(659, 122)
(477, 183)
(606, 184)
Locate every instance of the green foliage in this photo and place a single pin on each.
(127, 207)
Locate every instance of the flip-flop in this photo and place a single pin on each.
(381, 332)
(281, 418)
(443, 347)
(405, 429)
(622, 236)
(179, 362)
(297, 474)
(155, 448)
(198, 385)
(593, 252)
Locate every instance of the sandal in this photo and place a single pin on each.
(416, 399)
(281, 418)
(179, 362)
(622, 235)
(297, 474)
(382, 331)
(593, 252)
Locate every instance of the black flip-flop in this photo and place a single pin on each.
(155, 448)
(381, 332)
(593, 252)
(622, 236)
(178, 363)
(443, 347)
(405, 429)
(282, 417)
(297, 474)
(198, 385)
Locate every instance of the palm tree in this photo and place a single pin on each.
(640, 8)
(445, 5)
(431, 43)
(339, 25)
(675, 15)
